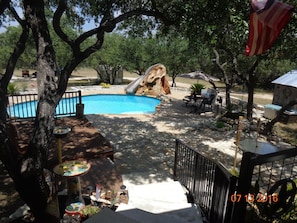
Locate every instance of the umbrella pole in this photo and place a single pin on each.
(258, 130)
(238, 136)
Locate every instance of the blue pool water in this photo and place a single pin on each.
(95, 104)
(119, 104)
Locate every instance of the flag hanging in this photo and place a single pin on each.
(267, 19)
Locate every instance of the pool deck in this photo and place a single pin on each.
(176, 93)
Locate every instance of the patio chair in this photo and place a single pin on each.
(208, 99)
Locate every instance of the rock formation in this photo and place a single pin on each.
(154, 82)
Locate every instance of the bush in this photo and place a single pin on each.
(12, 89)
(220, 124)
(105, 85)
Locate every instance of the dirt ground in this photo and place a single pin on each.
(92, 146)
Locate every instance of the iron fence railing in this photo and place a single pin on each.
(260, 177)
(207, 181)
(265, 189)
(24, 106)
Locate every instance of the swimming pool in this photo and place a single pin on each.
(119, 104)
(95, 104)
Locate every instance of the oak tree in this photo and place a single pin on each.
(34, 16)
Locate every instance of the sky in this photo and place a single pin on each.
(3, 29)
(86, 27)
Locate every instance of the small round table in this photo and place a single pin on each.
(71, 170)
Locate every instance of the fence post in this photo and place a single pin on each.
(243, 188)
(195, 177)
(79, 97)
(230, 204)
(175, 160)
(80, 106)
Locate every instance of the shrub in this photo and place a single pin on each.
(12, 89)
(105, 85)
(220, 124)
(196, 88)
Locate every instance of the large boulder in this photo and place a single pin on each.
(154, 82)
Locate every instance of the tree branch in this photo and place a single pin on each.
(108, 24)
(57, 22)
(221, 66)
(16, 16)
(4, 4)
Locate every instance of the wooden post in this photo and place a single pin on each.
(258, 130)
(238, 136)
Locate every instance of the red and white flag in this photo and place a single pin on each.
(267, 19)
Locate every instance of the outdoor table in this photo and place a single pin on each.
(71, 170)
(60, 132)
(258, 147)
(197, 102)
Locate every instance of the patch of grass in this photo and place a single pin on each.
(82, 82)
(12, 89)
(234, 172)
(220, 124)
(257, 100)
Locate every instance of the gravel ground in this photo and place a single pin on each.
(145, 143)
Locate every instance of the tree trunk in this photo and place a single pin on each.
(226, 79)
(27, 169)
(18, 50)
(29, 180)
(173, 81)
(228, 98)
(250, 84)
(26, 173)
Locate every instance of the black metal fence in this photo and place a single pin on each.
(265, 190)
(269, 183)
(207, 181)
(24, 106)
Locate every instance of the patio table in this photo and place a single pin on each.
(259, 147)
(72, 170)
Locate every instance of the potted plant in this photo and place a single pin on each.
(196, 88)
(89, 211)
